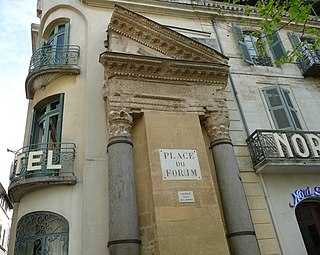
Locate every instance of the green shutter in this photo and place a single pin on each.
(59, 124)
(66, 33)
(291, 110)
(33, 130)
(276, 45)
(295, 41)
(243, 47)
(281, 108)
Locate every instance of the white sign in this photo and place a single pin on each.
(34, 161)
(186, 196)
(179, 164)
(299, 143)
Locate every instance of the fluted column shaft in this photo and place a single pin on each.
(123, 215)
(240, 232)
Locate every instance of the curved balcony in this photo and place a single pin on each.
(41, 165)
(49, 63)
(278, 151)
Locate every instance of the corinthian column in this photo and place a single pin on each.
(240, 233)
(123, 215)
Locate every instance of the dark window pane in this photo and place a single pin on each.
(307, 214)
(54, 105)
(61, 27)
(281, 118)
(274, 98)
(60, 40)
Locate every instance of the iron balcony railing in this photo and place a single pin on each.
(43, 160)
(310, 62)
(55, 56)
(286, 146)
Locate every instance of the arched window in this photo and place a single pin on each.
(42, 233)
(59, 36)
(308, 217)
(47, 120)
(55, 47)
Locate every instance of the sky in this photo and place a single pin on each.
(16, 17)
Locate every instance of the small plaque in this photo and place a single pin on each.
(179, 164)
(186, 196)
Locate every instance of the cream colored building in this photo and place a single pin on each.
(142, 117)
(5, 220)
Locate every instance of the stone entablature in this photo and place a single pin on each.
(141, 83)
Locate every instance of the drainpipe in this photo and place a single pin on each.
(232, 83)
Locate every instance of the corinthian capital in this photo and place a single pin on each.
(217, 125)
(120, 123)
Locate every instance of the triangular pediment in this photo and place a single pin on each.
(155, 39)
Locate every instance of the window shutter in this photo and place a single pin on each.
(276, 45)
(277, 108)
(66, 34)
(295, 41)
(292, 112)
(34, 129)
(243, 47)
(281, 108)
(59, 124)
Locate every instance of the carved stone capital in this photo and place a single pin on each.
(120, 123)
(217, 125)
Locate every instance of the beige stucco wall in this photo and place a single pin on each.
(180, 228)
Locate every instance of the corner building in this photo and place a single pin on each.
(155, 127)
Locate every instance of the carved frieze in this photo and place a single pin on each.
(150, 83)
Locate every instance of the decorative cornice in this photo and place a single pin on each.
(160, 38)
(120, 123)
(189, 8)
(143, 67)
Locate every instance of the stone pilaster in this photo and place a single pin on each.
(240, 233)
(123, 215)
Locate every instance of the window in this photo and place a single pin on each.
(47, 121)
(59, 35)
(42, 233)
(308, 217)
(253, 50)
(56, 46)
(281, 108)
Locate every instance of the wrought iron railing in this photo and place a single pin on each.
(42, 233)
(43, 160)
(262, 61)
(294, 145)
(309, 58)
(54, 56)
